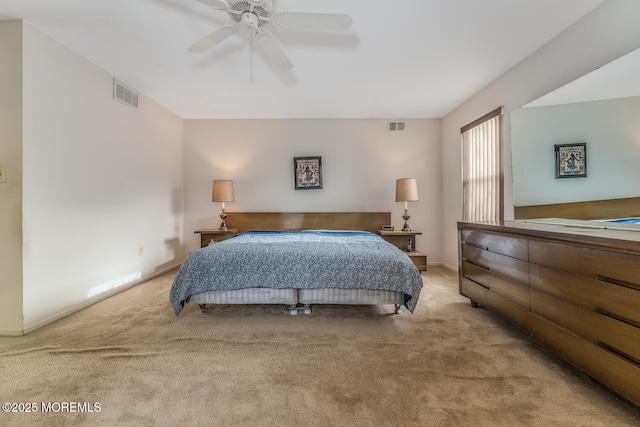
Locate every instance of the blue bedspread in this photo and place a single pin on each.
(298, 259)
(625, 220)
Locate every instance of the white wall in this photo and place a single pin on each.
(11, 190)
(603, 35)
(100, 180)
(611, 129)
(360, 161)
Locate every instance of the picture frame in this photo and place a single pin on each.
(307, 172)
(571, 160)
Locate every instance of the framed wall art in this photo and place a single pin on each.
(308, 172)
(571, 160)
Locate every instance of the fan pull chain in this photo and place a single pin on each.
(251, 75)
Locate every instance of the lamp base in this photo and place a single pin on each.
(406, 217)
(223, 225)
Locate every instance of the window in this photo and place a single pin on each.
(482, 181)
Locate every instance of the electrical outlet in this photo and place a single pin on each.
(3, 174)
(140, 250)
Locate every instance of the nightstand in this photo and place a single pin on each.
(400, 240)
(208, 236)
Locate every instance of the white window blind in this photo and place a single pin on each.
(481, 169)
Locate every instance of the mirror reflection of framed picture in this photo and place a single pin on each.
(571, 160)
(308, 172)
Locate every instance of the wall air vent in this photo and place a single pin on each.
(124, 94)
(396, 127)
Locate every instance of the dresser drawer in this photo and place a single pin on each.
(604, 265)
(514, 292)
(620, 337)
(617, 372)
(495, 303)
(604, 297)
(506, 266)
(515, 247)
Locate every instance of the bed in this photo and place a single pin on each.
(321, 263)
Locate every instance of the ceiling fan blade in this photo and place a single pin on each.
(272, 49)
(213, 39)
(312, 21)
(216, 4)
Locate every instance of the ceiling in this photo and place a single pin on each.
(617, 79)
(399, 59)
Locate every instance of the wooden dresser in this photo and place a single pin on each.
(573, 288)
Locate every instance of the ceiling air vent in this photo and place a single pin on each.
(396, 126)
(124, 94)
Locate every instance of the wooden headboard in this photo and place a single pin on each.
(363, 221)
(596, 209)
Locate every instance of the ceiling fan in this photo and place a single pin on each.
(252, 15)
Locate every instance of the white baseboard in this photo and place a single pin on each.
(94, 300)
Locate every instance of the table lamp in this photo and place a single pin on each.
(406, 191)
(222, 192)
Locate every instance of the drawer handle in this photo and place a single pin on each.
(486, 248)
(619, 353)
(617, 317)
(484, 267)
(618, 282)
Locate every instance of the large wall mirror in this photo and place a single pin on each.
(601, 110)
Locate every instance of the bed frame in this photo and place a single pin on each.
(301, 299)
(360, 221)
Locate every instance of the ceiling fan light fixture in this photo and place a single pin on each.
(262, 10)
(249, 21)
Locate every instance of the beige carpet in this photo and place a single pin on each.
(446, 365)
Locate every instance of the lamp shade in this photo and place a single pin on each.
(222, 191)
(406, 190)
